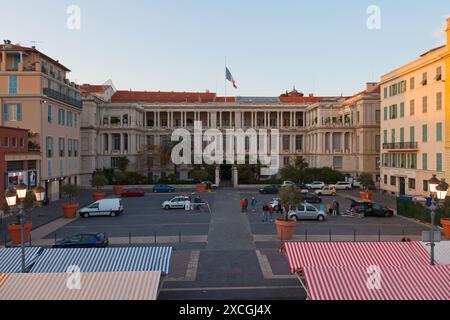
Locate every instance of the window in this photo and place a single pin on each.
(116, 142)
(438, 74)
(393, 136)
(75, 116)
(411, 83)
(439, 101)
(402, 110)
(69, 147)
(49, 114)
(425, 185)
(411, 107)
(414, 161)
(412, 134)
(75, 148)
(412, 184)
(439, 162)
(125, 142)
(61, 117)
(49, 168)
(385, 113)
(49, 147)
(385, 179)
(377, 142)
(439, 131)
(286, 142)
(425, 104)
(299, 142)
(385, 136)
(286, 161)
(393, 181)
(424, 133)
(385, 92)
(13, 85)
(425, 161)
(337, 162)
(424, 79)
(5, 142)
(69, 119)
(402, 135)
(14, 142)
(12, 112)
(62, 147)
(22, 142)
(377, 116)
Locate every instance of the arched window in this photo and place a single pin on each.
(125, 120)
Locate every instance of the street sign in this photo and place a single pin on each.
(426, 236)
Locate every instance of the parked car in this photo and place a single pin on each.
(269, 190)
(307, 212)
(303, 187)
(133, 193)
(370, 209)
(98, 240)
(105, 207)
(163, 189)
(213, 185)
(342, 185)
(176, 203)
(312, 198)
(326, 191)
(288, 183)
(316, 185)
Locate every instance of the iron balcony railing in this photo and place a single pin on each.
(401, 146)
(62, 97)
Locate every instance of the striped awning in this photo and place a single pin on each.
(11, 258)
(109, 286)
(104, 260)
(389, 283)
(356, 254)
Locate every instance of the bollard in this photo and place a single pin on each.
(155, 237)
(129, 237)
(30, 240)
(354, 235)
(306, 235)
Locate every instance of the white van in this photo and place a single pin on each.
(105, 207)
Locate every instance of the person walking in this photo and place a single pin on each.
(243, 205)
(246, 205)
(271, 211)
(254, 204)
(335, 208)
(265, 213)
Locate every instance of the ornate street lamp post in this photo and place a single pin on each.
(11, 199)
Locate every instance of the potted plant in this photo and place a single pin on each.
(290, 198)
(446, 225)
(70, 191)
(15, 228)
(122, 164)
(98, 182)
(366, 181)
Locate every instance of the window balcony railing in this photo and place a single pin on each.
(62, 97)
(401, 146)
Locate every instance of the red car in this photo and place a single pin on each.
(133, 193)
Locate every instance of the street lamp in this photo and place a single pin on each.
(439, 192)
(11, 199)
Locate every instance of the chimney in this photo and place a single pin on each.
(448, 33)
(370, 85)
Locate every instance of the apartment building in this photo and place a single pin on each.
(324, 130)
(416, 123)
(35, 94)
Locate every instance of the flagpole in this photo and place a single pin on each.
(225, 79)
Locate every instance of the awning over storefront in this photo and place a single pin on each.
(91, 286)
(355, 254)
(104, 260)
(386, 283)
(11, 258)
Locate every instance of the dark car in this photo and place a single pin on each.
(98, 240)
(370, 209)
(312, 198)
(133, 193)
(270, 190)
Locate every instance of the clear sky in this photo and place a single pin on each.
(319, 46)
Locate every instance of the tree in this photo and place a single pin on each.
(366, 180)
(99, 181)
(122, 163)
(301, 164)
(290, 198)
(71, 191)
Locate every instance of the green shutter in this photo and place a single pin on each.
(439, 162)
(425, 161)
(425, 133)
(412, 134)
(5, 112)
(402, 110)
(439, 132)
(19, 112)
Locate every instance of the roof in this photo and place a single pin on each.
(14, 47)
(355, 254)
(381, 283)
(16, 129)
(104, 260)
(123, 286)
(375, 89)
(10, 258)
(93, 88)
(258, 100)
(154, 97)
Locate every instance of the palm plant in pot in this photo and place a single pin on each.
(367, 182)
(70, 192)
(98, 181)
(122, 164)
(14, 228)
(290, 198)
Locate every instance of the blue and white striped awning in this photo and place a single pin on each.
(104, 260)
(11, 258)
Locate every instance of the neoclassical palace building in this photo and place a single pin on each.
(338, 132)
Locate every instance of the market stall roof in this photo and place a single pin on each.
(386, 283)
(104, 260)
(92, 286)
(348, 254)
(10, 258)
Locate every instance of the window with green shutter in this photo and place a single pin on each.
(425, 161)
(385, 136)
(13, 84)
(439, 131)
(402, 110)
(385, 113)
(412, 134)
(424, 133)
(402, 135)
(439, 162)
(393, 136)
(425, 104)
(411, 107)
(414, 161)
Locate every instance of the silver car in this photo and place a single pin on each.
(307, 212)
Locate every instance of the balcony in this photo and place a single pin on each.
(401, 146)
(62, 97)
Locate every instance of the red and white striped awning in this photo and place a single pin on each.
(355, 254)
(92, 286)
(391, 283)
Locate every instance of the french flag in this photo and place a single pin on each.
(230, 78)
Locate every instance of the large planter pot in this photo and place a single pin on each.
(98, 196)
(446, 224)
(70, 210)
(200, 188)
(285, 229)
(14, 231)
(118, 190)
(366, 195)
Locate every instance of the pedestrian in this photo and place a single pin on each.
(271, 211)
(254, 204)
(265, 213)
(246, 205)
(335, 208)
(338, 208)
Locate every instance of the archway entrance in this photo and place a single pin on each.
(226, 173)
